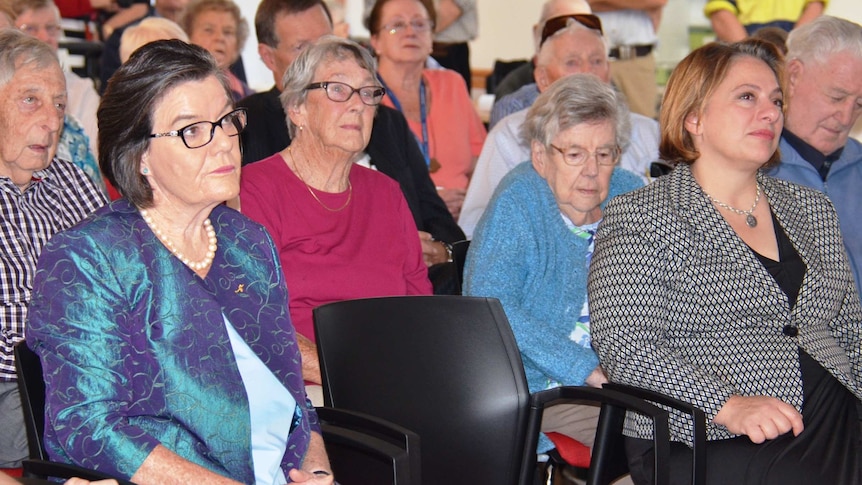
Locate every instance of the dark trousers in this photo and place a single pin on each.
(455, 57)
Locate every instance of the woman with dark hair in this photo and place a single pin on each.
(726, 288)
(162, 320)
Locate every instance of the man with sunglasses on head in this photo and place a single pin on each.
(284, 29)
(518, 89)
(569, 44)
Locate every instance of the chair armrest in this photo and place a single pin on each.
(44, 469)
(698, 418)
(373, 436)
(608, 434)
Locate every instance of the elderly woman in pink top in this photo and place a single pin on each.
(435, 102)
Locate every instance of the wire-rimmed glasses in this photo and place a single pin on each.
(575, 156)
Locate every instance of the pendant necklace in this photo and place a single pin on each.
(750, 220)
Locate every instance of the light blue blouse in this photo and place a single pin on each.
(271, 407)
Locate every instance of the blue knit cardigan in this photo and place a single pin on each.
(523, 254)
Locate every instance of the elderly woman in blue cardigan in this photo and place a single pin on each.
(532, 246)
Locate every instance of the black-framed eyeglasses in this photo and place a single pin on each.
(340, 92)
(556, 24)
(419, 26)
(577, 157)
(201, 133)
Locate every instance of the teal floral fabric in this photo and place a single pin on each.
(135, 349)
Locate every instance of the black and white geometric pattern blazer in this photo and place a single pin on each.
(679, 304)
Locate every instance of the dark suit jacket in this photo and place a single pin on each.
(681, 305)
(392, 148)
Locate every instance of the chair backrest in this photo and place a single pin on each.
(445, 367)
(364, 450)
(500, 71)
(31, 386)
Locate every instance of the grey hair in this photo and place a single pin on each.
(542, 58)
(18, 49)
(572, 100)
(823, 37)
(301, 72)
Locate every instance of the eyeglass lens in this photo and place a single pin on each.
(341, 92)
(202, 132)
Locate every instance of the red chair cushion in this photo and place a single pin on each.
(573, 451)
(13, 472)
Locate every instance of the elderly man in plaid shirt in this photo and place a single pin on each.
(39, 197)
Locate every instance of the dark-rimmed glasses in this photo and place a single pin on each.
(556, 24)
(341, 92)
(577, 157)
(201, 133)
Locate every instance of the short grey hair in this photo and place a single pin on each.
(300, 74)
(824, 37)
(572, 100)
(18, 49)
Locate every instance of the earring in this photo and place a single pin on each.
(301, 127)
(145, 171)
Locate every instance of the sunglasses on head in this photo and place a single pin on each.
(556, 24)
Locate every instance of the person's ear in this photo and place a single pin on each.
(267, 55)
(692, 124)
(794, 70)
(298, 115)
(539, 157)
(374, 41)
(542, 78)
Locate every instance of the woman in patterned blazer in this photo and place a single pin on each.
(731, 290)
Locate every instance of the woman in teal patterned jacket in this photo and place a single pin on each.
(161, 321)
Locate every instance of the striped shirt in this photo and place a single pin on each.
(59, 197)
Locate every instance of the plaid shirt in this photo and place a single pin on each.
(59, 197)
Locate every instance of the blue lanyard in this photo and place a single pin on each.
(423, 116)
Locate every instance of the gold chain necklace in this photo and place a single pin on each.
(310, 191)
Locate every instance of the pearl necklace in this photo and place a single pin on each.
(750, 220)
(194, 265)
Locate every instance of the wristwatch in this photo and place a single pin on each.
(449, 257)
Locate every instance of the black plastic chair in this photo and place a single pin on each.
(364, 450)
(31, 386)
(500, 70)
(448, 368)
(90, 51)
